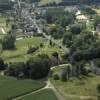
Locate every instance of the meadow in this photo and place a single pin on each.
(85, 86)
(20, 53)
(11, 87)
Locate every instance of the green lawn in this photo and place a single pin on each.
(84, 87)
(20, 53)
(46, 94)
(11, 87)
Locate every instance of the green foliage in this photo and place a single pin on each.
(64, 75)
(89, 10)
(8, 42)
(56, 31)
(2, 64)
(97, 62)
(56, 77)
(59, 16)
(36, 68)
(96, 21)
(32, 50)
(67, 40)
(76, 29)
(98, 88)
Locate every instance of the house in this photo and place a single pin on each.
(81, 18)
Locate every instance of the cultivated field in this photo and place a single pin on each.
(11, 87)
(46, 94)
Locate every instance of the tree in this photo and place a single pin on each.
(56, 31)
(38, 67)
(32, 50)
(2, 64)
(67, 40)
(16, 69)
(64, 75)
(96, 21)
(98, 88)
(8, 42)
(76, 29)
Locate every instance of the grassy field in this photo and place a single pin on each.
(84, 87)
(20, 53)
(46, 94)
(48, 1)
(11, 87)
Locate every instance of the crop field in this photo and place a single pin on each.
(46, 94)
(11, 87)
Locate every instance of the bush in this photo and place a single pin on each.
(32, 50)
(98, 98)
(97, 63)
(63, 75)
(2, 65)
(8, 42)
(56, 77)
(38, 68)
(41, 45)
(84, 70)
(98, 88)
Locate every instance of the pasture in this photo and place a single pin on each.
(85, 86)
(20, 53)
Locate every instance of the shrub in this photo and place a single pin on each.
(98, 98)
(63, 75)
(8, 42)
(98, 88)
(97, 63)
(41, 45)
(56, 77)
(2, 65)
(32, 50)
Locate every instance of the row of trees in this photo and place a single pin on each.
(35, 68)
